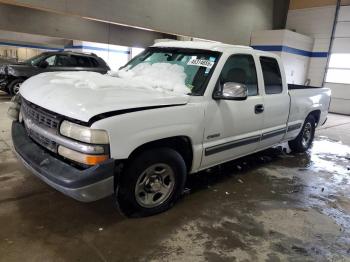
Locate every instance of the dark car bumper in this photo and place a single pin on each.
(4, 80)
(83, 185)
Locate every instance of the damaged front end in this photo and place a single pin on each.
(14, 109)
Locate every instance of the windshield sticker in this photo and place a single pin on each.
(201, 62)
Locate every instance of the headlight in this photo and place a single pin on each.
(83, 133)
(81, 157)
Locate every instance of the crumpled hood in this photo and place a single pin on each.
(82, 95)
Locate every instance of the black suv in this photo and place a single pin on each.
(13, 75)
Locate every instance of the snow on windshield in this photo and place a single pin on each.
(163, 77)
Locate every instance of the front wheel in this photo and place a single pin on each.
(14, 86)
(151, 182)
(306, 136)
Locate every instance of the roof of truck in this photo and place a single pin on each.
(214, 46)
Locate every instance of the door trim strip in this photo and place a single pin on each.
(294, 127)
(227, 146)
(249, 140)
(273, 133)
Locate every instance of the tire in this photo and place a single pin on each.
(14, 86)
(306, 136)
(151, 182)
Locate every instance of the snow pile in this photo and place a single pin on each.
(170, 77)
(163, 77)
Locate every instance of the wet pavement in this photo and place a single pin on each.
(271, 206)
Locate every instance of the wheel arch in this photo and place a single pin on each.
(316, 114)
(181, 144)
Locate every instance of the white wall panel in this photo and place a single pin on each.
(316, 75)
(340, 106)
(321, 44)
(317, 62)
(344, 14)
(341, 45)
(296, 67)
(342, 29)
(339, 90)
(315, 22)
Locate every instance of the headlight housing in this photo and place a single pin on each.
(82, 158)
(83, 133)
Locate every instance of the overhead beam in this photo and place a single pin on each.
(23, 38)
(229, 21)
(31, 21)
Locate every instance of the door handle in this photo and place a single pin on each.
(259, 109)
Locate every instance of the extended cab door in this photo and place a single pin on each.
(276, 101)
(233, 128)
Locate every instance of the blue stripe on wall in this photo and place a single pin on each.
(97, 49)
(32, 46)
(68, 47)
(291, 50)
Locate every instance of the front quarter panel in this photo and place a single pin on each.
(129, 131)
(24, 71)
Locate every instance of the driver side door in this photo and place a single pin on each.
(233, 127)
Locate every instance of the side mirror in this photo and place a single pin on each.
(232, 91)
(43, 64)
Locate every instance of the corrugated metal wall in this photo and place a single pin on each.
(338, 77)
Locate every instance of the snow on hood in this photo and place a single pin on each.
(161, 76)
(82, 95)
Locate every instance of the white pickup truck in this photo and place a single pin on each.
(176, 109)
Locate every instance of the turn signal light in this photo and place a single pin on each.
(90, 160)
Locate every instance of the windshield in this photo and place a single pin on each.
(197, 65)
(34, 60)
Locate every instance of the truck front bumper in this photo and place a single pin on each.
(85, 185)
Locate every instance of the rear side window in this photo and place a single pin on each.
(82, 61)
(272, 75)
(64, 61)
(94, 62)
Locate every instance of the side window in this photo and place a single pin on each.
(272, 75)
(94, 62)
(64, 61)
(82, 61)
(51, 60)
(241, 69)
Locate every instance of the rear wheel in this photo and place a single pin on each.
(14, 86)
(306, 136)
(151, 182)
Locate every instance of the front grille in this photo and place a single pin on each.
(43, 141)
(40, 115)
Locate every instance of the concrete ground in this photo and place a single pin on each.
(270, 206)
